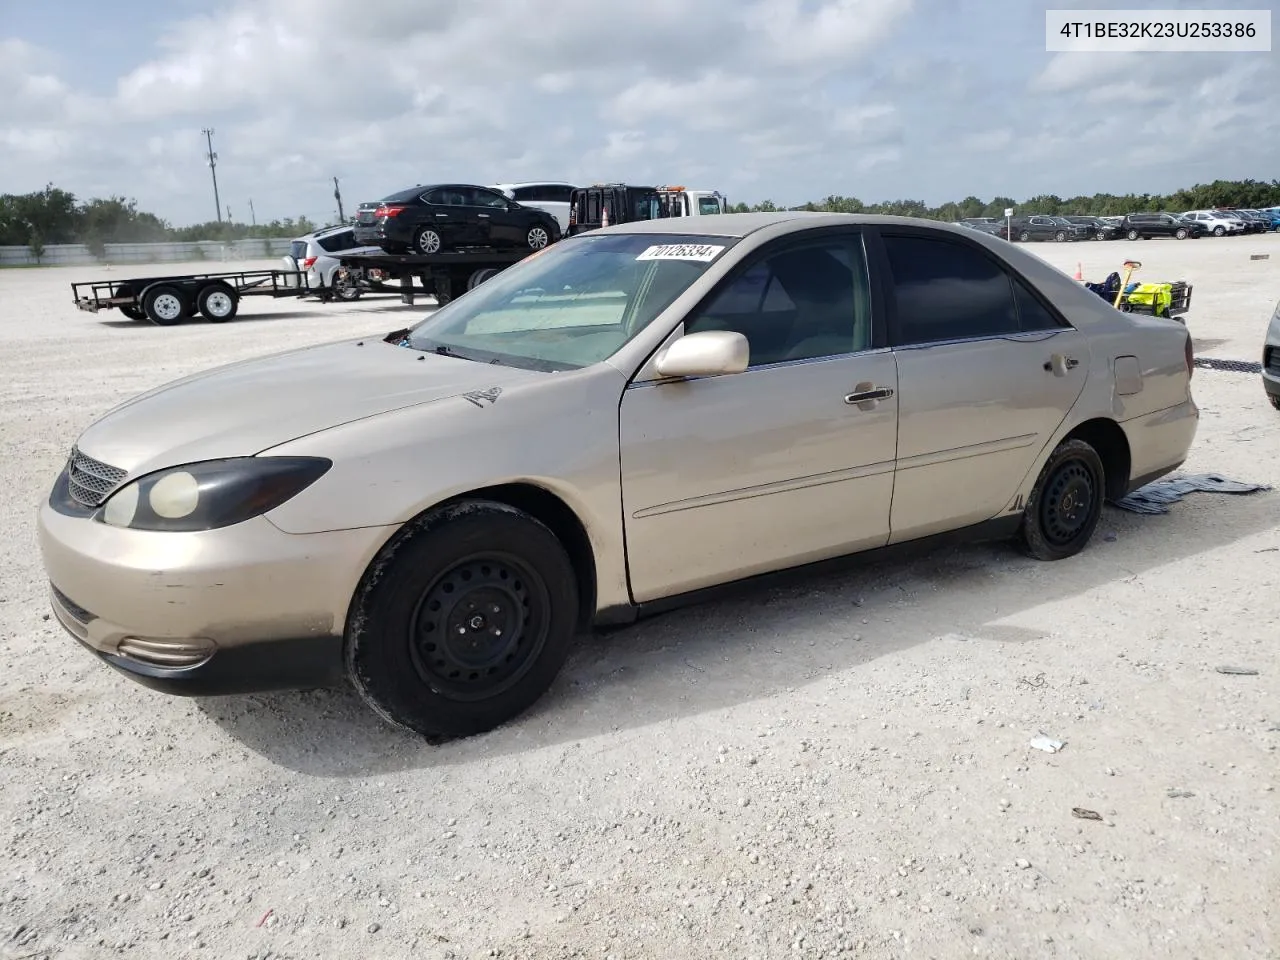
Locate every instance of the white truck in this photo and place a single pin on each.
(680, 201)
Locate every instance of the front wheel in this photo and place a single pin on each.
(1024, 236)
(1066, 503)
(464, 622)
(537, 237)
(1060, 237)
(1275, 401)
(1219, 231)
(1180, 234)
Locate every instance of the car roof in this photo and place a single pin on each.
(535, 183)
(741, 224)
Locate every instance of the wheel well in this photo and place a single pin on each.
(562, 521)
(1106, 437)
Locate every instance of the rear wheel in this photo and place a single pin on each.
(427, 241)
(1024, 236)
(343, 286)
(1066, 502)
(1219, 231)
(1180, 233)
(1133, 235)
(537, 237)
(1060, 236)
(165, 305)
(466, 621)
(217, 302)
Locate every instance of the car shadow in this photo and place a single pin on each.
(318, 310)
(760, 642)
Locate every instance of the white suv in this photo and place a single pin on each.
(315, 255)
(553, 196)
(1215, 222)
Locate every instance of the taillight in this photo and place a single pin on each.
(307, 263)
(385, 211)
(1191, 360)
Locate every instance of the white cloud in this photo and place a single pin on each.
(788, 99)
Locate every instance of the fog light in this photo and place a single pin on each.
(174, 654)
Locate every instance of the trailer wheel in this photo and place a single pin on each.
(165, 305)
(344, 286)
(217, 302)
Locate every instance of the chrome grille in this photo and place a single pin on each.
(90, 480)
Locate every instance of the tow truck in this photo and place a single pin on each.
(602, 204)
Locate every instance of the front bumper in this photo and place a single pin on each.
(235, 610)
(1271, 370)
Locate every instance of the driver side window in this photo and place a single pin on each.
(803, 303)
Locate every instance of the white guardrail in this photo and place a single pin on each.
(78, 254)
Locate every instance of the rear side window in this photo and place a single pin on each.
(1032, 314)
(298, 250)
(947, 291)
(337, 241)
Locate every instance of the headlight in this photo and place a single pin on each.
(210, 494)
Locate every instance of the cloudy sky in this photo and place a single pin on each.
(789, 100)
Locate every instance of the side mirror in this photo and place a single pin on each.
(709, 353)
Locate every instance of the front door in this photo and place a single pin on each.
(986, 375)
(506, 229)
(788, 462)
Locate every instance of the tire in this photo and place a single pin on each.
(344, 290)
(537, 237)
(165, 305)
(427, 241)
(1180, 234)
(1219, 231)
(217, 302)
(1064, 506)
(1060, 237)
(480, 276)
(1275, 401)
(486, 569)
(133, 313)
(1133, 235)
(1099, 236)
(1024, 236)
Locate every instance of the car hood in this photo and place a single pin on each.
(246, 407)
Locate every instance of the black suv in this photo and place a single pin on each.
(1147, 225)
(1100, 228)
(1042, 227)
(434, 218)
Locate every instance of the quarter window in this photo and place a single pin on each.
(947, 291)
(802, 303)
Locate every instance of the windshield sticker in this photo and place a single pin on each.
(702, 252)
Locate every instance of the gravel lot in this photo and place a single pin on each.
(838, 766)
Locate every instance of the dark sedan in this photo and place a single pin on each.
(432, 219)
(1100, 229)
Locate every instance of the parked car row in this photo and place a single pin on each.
(1218, 222)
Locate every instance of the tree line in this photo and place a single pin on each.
(53, 215)
(1250, 194)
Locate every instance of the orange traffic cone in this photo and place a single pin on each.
(1079, 275)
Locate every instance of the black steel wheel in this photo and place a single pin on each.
(463, 621)
(1066, 502)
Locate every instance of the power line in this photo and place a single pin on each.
(213, 171)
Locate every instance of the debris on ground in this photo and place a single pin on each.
(1237, 671)
(1048, 744)
(1155, 497)
(1080, 813)
(1179, 794)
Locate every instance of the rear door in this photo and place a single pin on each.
(987, 371)
(454, 215)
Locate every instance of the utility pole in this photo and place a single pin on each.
(253, 217)
(213, 170)
(337, 195)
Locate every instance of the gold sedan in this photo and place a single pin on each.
(627, 417)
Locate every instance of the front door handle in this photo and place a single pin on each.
(866, 396)
(484, 216)
(1058, 364)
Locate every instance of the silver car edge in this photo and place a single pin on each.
(614, 425)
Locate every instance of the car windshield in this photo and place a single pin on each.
(572, 304)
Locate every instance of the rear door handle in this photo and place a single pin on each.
(868, 394)
(1058, 364)
(484, 216)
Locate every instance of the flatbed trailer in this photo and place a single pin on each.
(442, 275)
(166, 301)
